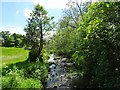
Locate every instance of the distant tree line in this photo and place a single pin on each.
(11, 40)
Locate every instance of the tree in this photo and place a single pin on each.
(73, 15)
(100, 47)
(11, 40)
(6, 40)
(66, 40)
(18, 40)
(38, 24)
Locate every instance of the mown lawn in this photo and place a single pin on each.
(12, 55)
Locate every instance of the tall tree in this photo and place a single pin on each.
(38, 24)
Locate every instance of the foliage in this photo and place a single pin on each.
(21, 74)
(18, 40)
(24, 75)
(100, 45)
(62, 43)
(73, 14)
(5, 37)
(46, 53)
(94, 46)
(12, 40)
(38, 24)
(36, 70)
(15, 79)
(67, 39)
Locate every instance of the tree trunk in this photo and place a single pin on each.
(41, 44)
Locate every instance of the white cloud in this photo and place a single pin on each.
(56, 4)
(41, 2)
(17, 12)
(60, 4)
(15, 0)
(12, 29)
(51, 3)
(27, 13)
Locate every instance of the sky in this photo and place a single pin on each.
(14, 13)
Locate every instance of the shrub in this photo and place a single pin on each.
(19, 82)
(29, 77)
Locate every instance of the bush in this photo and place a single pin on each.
(17, 76)
(19, 82)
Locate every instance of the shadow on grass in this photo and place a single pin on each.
(19, 65)
(27, 67)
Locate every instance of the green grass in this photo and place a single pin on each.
(13, 55)
(17, 72)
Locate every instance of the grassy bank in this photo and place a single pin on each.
(17, 73)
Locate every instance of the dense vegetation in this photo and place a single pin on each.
(18, 73)
(32, 73)
(11, 40)
(88, 34)
(94, 46)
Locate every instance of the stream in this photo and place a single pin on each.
(57, 77)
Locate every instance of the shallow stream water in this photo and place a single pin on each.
(57, 73)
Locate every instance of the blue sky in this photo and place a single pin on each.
(15, 13)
